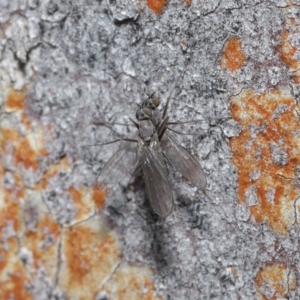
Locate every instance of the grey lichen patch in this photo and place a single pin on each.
(279, 110)
(270, 195)
(60, 206)
(279, 154)
(255, 175)
(231, 128)
(251, 196)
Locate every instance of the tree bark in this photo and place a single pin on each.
(73, 73)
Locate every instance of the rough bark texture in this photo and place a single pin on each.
(71, 70)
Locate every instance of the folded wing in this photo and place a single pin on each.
(156, 177)
(120, 167)
(183, 161)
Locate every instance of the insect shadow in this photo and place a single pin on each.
(151, 148)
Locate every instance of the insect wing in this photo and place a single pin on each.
(156, 177)
(183, 161)
(121, 165)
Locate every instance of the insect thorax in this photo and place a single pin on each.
(146, 130)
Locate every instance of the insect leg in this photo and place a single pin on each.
(111, 142)
(172, 90)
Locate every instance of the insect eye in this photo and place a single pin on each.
(152, 102)
(147, 111)
(143, 113)
(155, 102)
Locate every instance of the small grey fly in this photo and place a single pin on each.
(180, 159)
(150, 148)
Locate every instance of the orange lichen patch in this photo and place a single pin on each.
(156, 5)
(287, 52)
(274, 281)
(25, 150)
(233, 56)
(99, 196)
(296, 79)
(26, 155)
(188, 2)
(293, 21)
(270, 128)
(13, 284)
(15, 100)
(6, 135)
(131, 282)
(83, 200)
(91, 254)
(3, 259)
(25, 120)
(76, 195)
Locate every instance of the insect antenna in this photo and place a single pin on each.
(135, 123)
(183, 133)
(174, 87)
(185, 122)
(108, 125)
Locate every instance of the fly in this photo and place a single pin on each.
(179, 157)
(150, 147)
(149, 155)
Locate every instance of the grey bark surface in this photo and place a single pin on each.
(87, 62)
